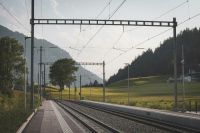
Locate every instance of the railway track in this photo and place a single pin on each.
(144, 120)
(89, 122)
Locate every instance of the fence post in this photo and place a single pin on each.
(190, 108)
(196, 106)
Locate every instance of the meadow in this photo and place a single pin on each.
(150, 92)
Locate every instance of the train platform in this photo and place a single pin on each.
(51, 118)
(189, 120)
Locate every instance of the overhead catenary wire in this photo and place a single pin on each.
(101, 27)
(188, 8)
(163, 14)
(42, 29)
(140, 44)
(114, 44)
(14, 17)
(172, 9)
(27, 12)
(186, 20)
(108, 4)
(95, 18)
(150, 38)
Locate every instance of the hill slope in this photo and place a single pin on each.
(50, 55)
(160, 61)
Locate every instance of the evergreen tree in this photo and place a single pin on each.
(160, 61)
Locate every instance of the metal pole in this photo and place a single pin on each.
(32, 55)
(175, 65)
(90, 87)
(80, 89)
(128, 85)
(44, 76)
(103, 81)
(69, 92)
(25, 75)
(38, 76)
(27, 83)
(74, 90)
(183, 76)
(41, 75)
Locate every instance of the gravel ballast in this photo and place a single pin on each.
(122, 124)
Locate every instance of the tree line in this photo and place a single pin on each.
(94, 84)
(160, 61)
(12, 65)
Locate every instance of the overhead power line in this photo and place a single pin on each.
(101, 27)
(190, 18)
(172, 9)
(14, 17)
(115, 43)
(163, 14)
(108, 4)
(186, 20)
(26, 6)
(117, 9)
(100, 12)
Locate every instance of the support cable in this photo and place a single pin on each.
(163, 14)
(188, 8)
(26, 6)
(194, 16)
(115, 43)
(100, 13)
(14, 17)
(100, 29)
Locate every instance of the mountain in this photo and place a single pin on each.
(160, 61)
(49, 55)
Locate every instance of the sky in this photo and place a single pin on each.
(101, 43)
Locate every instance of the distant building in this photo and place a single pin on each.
(195, 76)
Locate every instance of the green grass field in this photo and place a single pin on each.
(151, 92)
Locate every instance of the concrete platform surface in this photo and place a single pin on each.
(51, 118)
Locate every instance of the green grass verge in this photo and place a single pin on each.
(12, 111)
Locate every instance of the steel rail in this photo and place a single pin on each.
(144, 120)
(107, 127)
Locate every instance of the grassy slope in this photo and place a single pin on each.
(152, 92)
(12, 113)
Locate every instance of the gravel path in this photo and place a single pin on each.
(119, 123)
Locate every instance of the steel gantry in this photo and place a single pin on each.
(34, 22)
(104, 22)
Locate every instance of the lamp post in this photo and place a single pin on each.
(128, 83)
(25, 79)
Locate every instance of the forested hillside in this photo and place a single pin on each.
(160, 61)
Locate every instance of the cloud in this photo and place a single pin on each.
(55, 4)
